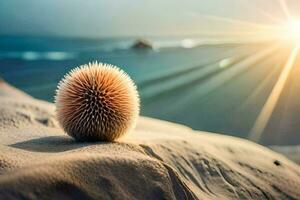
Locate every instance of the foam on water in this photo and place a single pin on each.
(34, 55)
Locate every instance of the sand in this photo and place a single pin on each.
(158, 160)
(292, 151)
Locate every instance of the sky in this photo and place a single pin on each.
(114, 18)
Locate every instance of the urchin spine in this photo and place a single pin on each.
(97, 102)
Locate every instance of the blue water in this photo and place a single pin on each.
(208, 86)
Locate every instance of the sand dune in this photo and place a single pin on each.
(158, 160)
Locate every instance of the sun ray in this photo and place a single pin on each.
(259, 88)
(266, 112)
(285, 9)
(239, 22)
(247, 32)
(265, 13)
(251, 31)
(270, 16)
(220, 79)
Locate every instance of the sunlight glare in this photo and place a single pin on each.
(292, 30)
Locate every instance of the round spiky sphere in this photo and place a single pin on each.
(97, 102)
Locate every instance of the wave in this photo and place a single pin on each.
(70, 50)
(163, 43)
(157, 44)
(71, 53)
(184, 43)
(34, 55)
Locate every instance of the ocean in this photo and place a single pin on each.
(205, 84)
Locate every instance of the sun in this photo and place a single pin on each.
(292, 30)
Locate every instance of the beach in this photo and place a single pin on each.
(157, 160)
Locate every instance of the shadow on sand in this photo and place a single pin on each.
(52, 144)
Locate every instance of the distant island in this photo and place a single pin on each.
(142, 44)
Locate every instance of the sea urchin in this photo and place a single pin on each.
(97, 102)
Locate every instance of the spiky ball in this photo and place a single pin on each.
(97, 102)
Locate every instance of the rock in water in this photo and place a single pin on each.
(142, 44)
